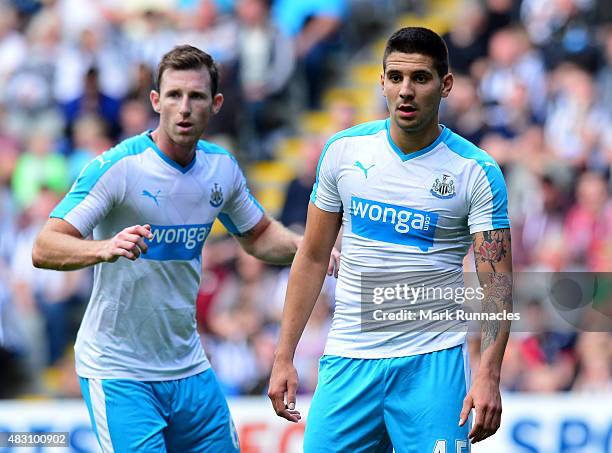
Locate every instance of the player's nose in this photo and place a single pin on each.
(407, 89)
(185, 107)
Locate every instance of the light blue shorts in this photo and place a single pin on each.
(183, 415)
(409, 404)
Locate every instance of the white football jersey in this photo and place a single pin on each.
(140, 322)
(409, 214)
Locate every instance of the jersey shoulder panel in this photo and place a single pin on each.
(212, 148)
(468, 150)
(369, 128)
(488, 188)
(360, 130)
(95, 170)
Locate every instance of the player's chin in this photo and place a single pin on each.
(186, 137)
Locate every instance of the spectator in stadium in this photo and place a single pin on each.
(249, 286)
(39, 166)
(239, 310)
(594, 363)
(544, 218)
(43, 293)
(465, 39)
(576, 120)
(89, 78)
(549, 356)
(588, 226)
(135, 116)
(149, 33)
(463, 111)
(207, 28)
(604, 74)
(266, 62)
(12, 43)
(141, 82)
(512, 63)
(28, 92)
(313, 25)
(383, 385)
(295, 207)
(150, 202)
(89, 140)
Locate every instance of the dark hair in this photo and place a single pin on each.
(422, 41)
(188, 57)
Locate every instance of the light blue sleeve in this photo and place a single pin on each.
(93, 194)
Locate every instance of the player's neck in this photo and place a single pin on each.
(182, 155)
(409, 142)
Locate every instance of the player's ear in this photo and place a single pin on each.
(447, 85)
(154, 97)
(217, 103)
(382, 83)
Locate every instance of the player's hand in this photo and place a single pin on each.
(485, 398)
(334, 263)
(128, 243)
(283, 383)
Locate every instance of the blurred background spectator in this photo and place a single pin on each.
(533, 87)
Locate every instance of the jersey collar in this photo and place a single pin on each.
(443, 136)
(166, 159)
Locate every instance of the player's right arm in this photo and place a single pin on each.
(305, 282)
(60, 246)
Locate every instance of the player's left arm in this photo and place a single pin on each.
(271, 242)
(493, 256)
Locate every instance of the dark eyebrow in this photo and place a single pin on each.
(393, 71)
(199, 93)
(423, 72)
(189, 93)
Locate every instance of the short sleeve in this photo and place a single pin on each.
(242, 211)
(92, 195)
(489, 200)
(325, 194)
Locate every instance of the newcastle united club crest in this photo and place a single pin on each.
(216, 196)
(443, 189)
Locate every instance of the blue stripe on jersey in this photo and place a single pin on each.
(443, 135)
(211, 148)
(94, 170)
(176, 242)
(468, 150)
(369, 128)
(228, 223)
(393, 223)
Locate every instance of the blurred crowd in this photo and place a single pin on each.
(533, 87)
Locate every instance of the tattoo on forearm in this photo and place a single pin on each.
(490, 248)
(493, 247)
(498, 298)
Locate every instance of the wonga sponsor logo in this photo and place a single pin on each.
(176, 242)
(393, 223)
